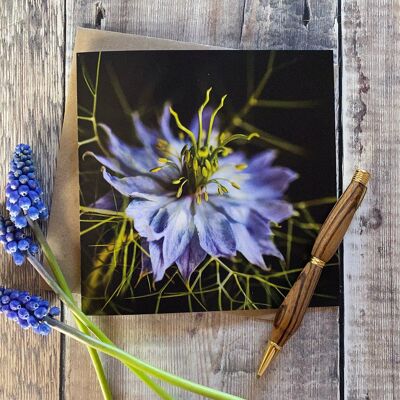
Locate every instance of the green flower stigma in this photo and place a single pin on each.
(199, 160)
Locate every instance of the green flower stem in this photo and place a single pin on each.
(123, 356)
(98, 366)
(83, 319)
(105, 389)
(62, 290)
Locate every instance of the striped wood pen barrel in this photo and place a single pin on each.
(292, 310)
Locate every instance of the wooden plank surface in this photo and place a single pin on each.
(371, 101)
(31, 103)
(216, 349)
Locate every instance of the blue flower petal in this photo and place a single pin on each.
(146, 261)
(131, 159)
(258, 226)
(129, 185)
(157, 259)
(269, 248)
(110, 163)
(191, 258)
(159, 221)
(147, 136)
(167, 132)
(107, 202)
(238, 157)
(261, 161)
(247, 245)
(179, 229)
(270, 183)
(143, 209)
(215, 232)
(233, 209)
(275, 210)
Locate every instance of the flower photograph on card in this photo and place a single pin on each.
(204, 177)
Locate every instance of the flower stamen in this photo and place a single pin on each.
(180, 189)
(241, 167)
(200, 114)
(221, 104)
(183, 128)
(156, 169)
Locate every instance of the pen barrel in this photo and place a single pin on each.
(335, 226)
(292, 310)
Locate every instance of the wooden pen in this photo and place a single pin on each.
(291, 312)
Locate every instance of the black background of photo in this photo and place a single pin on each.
(150, 78)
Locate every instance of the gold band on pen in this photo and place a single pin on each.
(275, 345)
(316, 261)
(361, 176)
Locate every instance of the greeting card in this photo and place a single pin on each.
(204, 177)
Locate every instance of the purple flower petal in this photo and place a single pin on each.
(167, 132)
(131, 159)
(146, 261)
(107, 202)
(269, 248)
(248, 245)
(258, 226)
(157, 259)
(215, 232)
(179, 229)
(142, 209)
(233, 209)
(191, 258)
(275, 210)
(147, 136)
(262, 161)
(110, 163)
(270, 184)
(129, 185)
(159, 221)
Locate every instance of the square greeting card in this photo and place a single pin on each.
(204, 177)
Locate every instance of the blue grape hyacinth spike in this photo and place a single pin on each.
(23, 192)
(15, 241)
(27, 310)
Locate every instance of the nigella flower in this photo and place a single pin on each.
(28, 311)
(15, 241)
(24, 195)
(193, 195)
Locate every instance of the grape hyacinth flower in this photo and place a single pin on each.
(28, 311)
(193, 195)
(15, 241)
(24, 195)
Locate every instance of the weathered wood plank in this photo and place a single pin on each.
(31, 103)
(220, 350)
(287, 24)
(371, 100)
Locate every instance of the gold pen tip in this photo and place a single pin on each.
(361, 176)
(270, 353)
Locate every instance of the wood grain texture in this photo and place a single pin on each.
(291, 312)
(371, 101)
(31, 103)
(216, 349)
(337, 223)
(286, 24)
